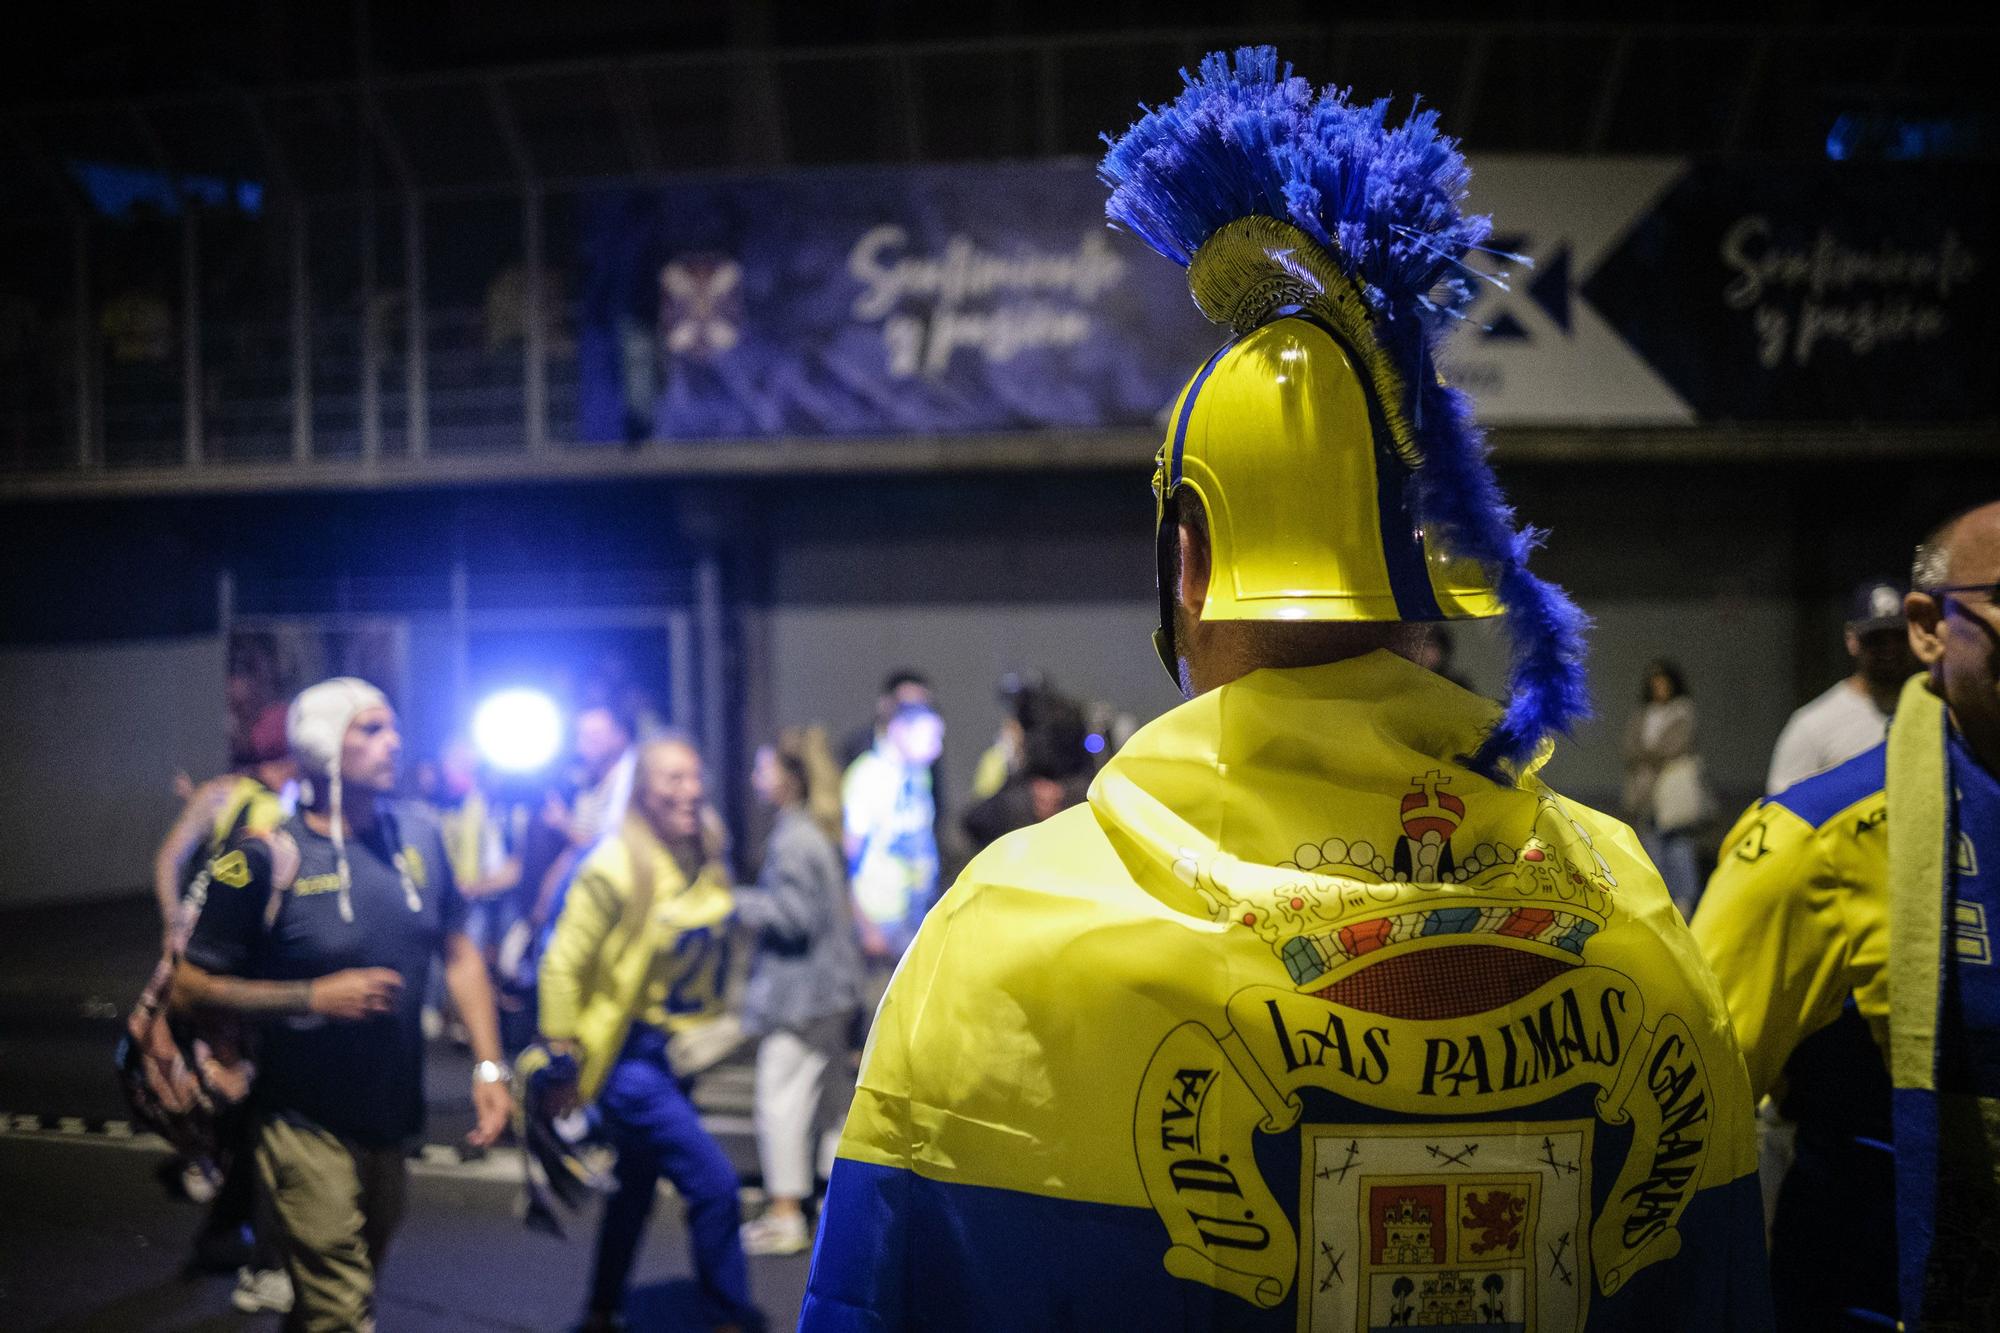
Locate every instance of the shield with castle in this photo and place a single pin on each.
(1442, 981)
(1442, 1228)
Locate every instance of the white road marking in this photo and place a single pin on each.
(433, 1160)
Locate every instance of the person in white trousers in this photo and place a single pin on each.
(804, 990)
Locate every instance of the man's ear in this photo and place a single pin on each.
(1923, 614)
(1193, 592)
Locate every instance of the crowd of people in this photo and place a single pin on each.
(603, 903)
(1317, 1008)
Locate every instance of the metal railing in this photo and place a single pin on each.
(357, 277)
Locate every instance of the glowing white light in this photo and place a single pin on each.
(517, 731)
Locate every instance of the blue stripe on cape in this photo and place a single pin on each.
(899, 1251)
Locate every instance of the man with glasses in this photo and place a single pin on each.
(1851, 924)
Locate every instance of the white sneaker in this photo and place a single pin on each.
(770, 1234)
(262, 1289)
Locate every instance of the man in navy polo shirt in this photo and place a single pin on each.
(333, 966)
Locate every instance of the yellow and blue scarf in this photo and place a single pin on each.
(1947, 1170)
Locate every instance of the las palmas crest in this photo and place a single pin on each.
(1457, 1216)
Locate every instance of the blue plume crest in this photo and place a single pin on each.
(1246, 138)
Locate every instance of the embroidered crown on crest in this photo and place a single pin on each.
(1338, 900)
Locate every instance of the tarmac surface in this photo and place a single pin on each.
(91, 1240)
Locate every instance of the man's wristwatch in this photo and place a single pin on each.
(491, 1071)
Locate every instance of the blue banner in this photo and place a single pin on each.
(956, 300)
(1837, 292)
(927, 300)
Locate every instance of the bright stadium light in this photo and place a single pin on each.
(517, 731)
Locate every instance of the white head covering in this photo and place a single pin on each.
(316, 727)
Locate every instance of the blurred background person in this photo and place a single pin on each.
(485, 862)
(474, 825)
(259, 677)
(1004, 757)
(589, 804)
(546, 859)
(1854, 714)
(324, 932)
(1666, 799)
(890, 818)
(250, 799)
(639, 953)
(802, 999)
(823, 776)
(1048, 732)
(900, 687)
(606, 761)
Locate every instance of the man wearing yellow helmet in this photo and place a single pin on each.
(1324, 1012)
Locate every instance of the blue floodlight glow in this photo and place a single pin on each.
(1887, 136)
(517, 731)
(1093, 743)
(115, 190)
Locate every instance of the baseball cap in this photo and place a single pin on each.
(1877, 605)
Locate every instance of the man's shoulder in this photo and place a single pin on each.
(1065, 853)
(1015, 903)
(871, 766)
(799, 835)
(415, 819)
(1854, 787)
(1834, 701)
(418, 828)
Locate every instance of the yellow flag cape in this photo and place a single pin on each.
(1298, 1023)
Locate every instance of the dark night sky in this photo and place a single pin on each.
(92, 49)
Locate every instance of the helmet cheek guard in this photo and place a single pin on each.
(1166, 563)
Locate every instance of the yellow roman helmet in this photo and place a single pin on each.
(1342, 479)
(1288, 439)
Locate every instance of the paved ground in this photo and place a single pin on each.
(90, 1241)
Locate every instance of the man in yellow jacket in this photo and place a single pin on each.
(1324, 1012)
(1851, 923)
(640, 953)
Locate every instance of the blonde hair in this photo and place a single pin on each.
(808, 748)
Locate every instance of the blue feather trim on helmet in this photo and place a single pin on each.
(1246, 138)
